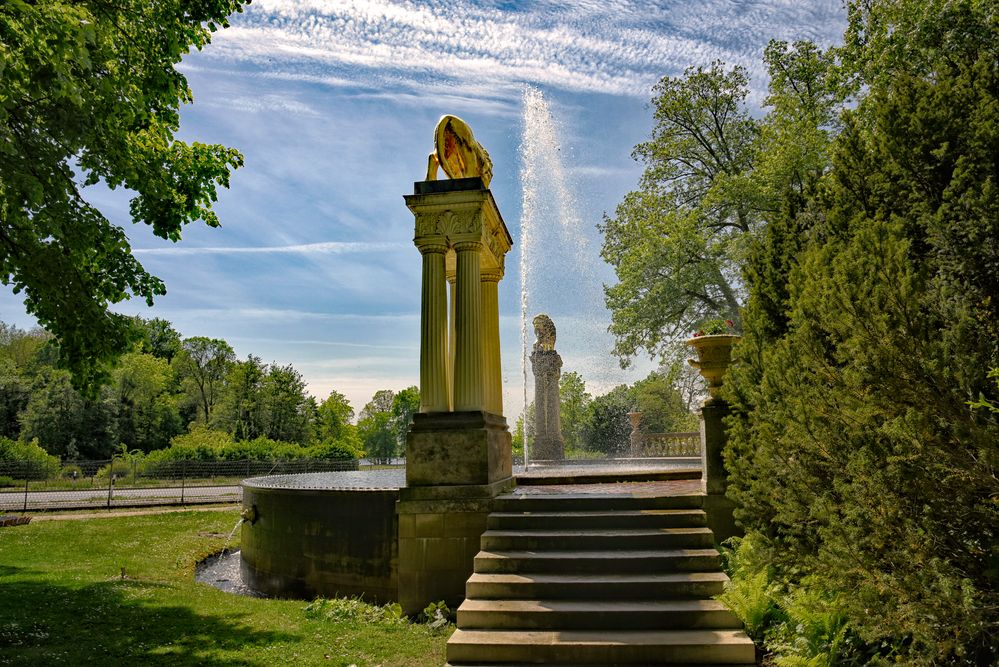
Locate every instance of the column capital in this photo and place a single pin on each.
(467, 245)
(428, 247)
(493, 275)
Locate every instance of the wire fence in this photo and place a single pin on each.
(30, 485)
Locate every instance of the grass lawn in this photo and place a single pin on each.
(63, 600)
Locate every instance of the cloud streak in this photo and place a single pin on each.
(323, 248)
(618, 48)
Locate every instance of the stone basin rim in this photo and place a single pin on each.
(327, 482)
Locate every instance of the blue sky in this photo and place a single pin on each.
(333, 104)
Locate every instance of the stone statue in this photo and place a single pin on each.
(547, 366)
(458, 152)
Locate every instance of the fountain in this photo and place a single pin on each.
(561, 272)
(411, 535)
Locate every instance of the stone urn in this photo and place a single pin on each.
(714, 354)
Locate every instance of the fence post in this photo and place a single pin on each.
(183, 478)
(26, 489)
(110, 482)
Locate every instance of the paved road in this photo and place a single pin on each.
(96, 497)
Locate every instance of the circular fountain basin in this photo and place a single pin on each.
(322, 534)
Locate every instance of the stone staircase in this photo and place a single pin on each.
(572, 578)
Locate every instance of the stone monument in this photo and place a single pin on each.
(547, 366)
(458, 450)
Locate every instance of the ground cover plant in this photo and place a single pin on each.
(121, 590)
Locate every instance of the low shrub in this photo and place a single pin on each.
(27, 460)
(354, 610)
(6, 480)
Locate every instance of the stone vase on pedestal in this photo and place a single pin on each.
(714, 354)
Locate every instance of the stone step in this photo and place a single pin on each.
(596, 540)
(595, 615)
(670, 585)
(605, 475)
(578, 502)
(603, 647)
(618, 561)
(594, 519)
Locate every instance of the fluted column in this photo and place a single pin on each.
(450, 341)
(493, 371)
(433, 331)
(468, 385)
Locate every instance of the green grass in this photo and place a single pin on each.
(63, 601)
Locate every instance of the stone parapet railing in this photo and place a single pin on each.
(656, 445)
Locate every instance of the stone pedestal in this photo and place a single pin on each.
(456, 464)
(714, 480)
(548, 443)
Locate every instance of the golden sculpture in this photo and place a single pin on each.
(458, 152)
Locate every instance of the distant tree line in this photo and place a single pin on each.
(192, 392)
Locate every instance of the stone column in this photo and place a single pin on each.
(433, 331)
(468, 394)
(491, 338)
(718, 507)
(450, 341)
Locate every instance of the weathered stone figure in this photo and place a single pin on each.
(547, 366)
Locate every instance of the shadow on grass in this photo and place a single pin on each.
(117, 622)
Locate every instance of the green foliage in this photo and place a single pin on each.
(438, 617)
(677, 243)
(607, 428)
(384, 422)
(803, 626)
(871, 323)
(333, 417)
(205, 444)
(90, 94)
(405, 404)
(203, 364)
(574, 403)
(6, 481)
(33, 461)
(354, 610)
(751, 594)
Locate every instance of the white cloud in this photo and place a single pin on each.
(326, 248)
(619, 48)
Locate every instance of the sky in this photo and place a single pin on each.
(333, 104)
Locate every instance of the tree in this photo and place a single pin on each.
(203, 364)
(607, 428)
(853, 450)
(405, 404)
(19, 354)
(573, 405)
(67, 423)
(158, 338)
(147, 415)
(678, 242)
(90, 94)
(662, 405)
(239, 411)
(376, 428)
(286, 410)
(333, 417)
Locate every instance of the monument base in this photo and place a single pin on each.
(457, 462)
(458, 448)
